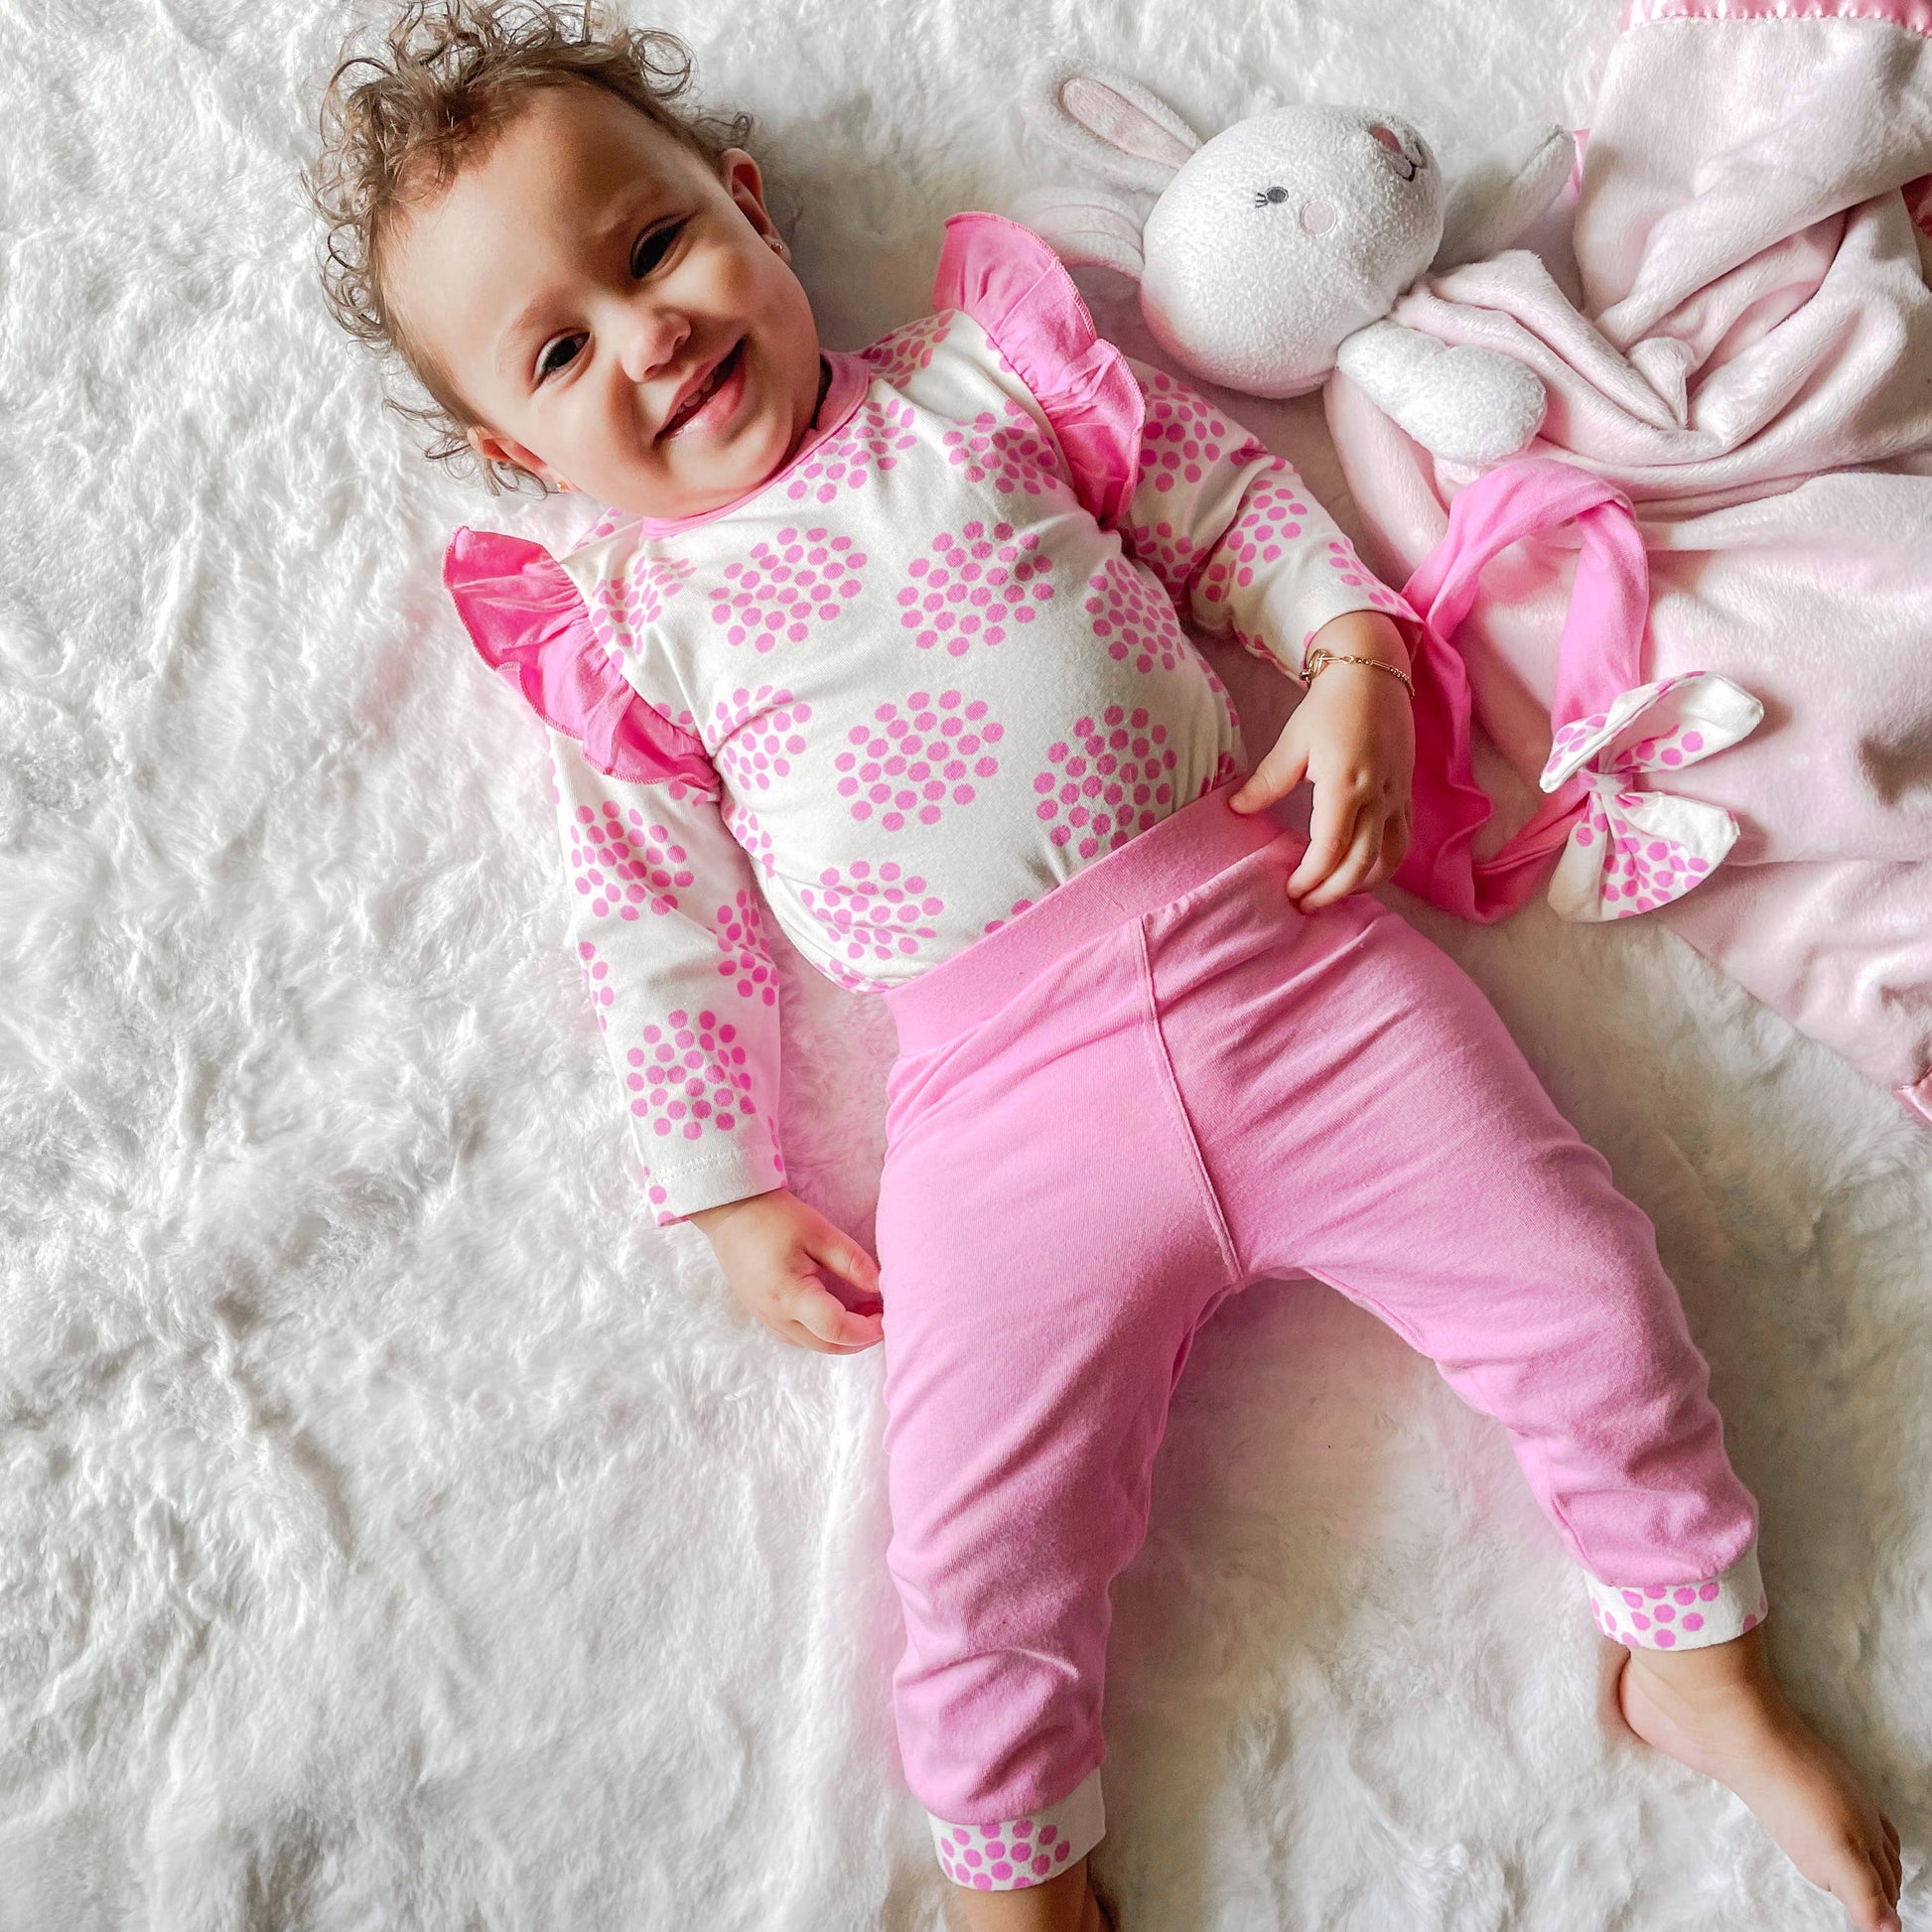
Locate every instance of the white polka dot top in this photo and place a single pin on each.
(908, 685)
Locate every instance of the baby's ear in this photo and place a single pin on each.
(1085, 227)
(495, 453)
(1108, 121)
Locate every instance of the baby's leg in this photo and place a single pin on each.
(1046, 1248)
(1373, 1124)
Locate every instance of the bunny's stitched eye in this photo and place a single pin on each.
(1275, 195)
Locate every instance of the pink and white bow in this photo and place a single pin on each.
(1627, 847)
(1633, 851)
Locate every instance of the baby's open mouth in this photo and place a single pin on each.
(705, 390)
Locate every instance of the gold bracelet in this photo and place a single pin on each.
(1319, 660)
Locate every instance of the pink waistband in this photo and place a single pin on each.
(1201, 838)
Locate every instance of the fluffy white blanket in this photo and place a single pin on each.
(399, 1531)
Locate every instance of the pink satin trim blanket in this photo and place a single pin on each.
(1730, 317)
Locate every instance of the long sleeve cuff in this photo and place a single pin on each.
(676, 1195)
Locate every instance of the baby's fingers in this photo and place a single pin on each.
(1332, 831)
(1395, 847)
(826, 1324)
(1285, 766)
(1355, 866)
(846, 1258)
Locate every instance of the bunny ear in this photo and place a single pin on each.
(1110, 122)
(1503, 193)
(1085, 226)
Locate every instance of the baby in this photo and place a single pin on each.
(890, 646)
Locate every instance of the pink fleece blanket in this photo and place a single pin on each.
(1729, 313)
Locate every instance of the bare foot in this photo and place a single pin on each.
(1720, 1710)
(1066, 1902)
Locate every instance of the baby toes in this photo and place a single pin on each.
(1867, 1894)
(1891, 1868)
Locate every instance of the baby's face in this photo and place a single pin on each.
(612, 311)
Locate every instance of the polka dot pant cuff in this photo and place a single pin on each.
(1682, 1616)
(1022, 1852)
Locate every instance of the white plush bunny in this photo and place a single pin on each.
(1276, 250)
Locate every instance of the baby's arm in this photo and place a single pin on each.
(667, 925)
(1243, 547)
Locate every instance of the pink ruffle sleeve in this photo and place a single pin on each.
(526, 620)
(1018, 290)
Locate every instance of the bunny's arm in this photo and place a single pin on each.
(1237, 539)
(1468, 405)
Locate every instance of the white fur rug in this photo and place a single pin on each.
(401, 1532)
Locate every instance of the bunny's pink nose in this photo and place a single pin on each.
(1388, 138)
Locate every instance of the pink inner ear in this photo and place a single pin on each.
(1388, 138)
(1117, 120)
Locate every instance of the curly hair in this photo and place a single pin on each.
(399, 121)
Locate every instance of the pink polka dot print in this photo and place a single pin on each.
(743, 825)
(739, 929)
(1574, 735)
(1669, 749)
(1019, 906)
(1260, 534)
(1008, 451)
(1225, 768)
(804, 576)
(1170, 555)
(689, 1073)
(877, 912)
(597, 981)
(906, 766)
(1660, 1615)
(621, 866)
(680, 789)
(1358, 576)
(1133, 617)
(659, 1200)
(758, 734)
(842, 975)
(876, 437)
(898, 355)
(1225, 698)
(1181, 437)
(1012, 1856)
(1641, 873)
(1103, 783)
(972, 585)
(621, 607)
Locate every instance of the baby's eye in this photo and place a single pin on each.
(549, 362)
(654, 247)
(1276, 195)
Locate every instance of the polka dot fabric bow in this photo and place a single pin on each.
(1631, 851)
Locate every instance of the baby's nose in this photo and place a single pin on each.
(648, 341)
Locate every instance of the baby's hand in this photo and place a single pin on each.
(768, 1245)
(1353, 737)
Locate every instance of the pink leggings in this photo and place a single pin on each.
(1160, 1083)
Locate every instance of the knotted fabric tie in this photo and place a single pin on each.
(1625, 850)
